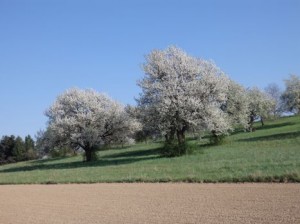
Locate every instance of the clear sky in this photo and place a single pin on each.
(48, 46)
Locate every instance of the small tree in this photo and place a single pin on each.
(7, 145)
(86, 119)
(236, 105)
(260, 106)
(275, 93)
(29, 143)
(291, 95)
(19, 151)
(30, 148)
(45, 141)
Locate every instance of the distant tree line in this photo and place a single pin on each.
(15, 149)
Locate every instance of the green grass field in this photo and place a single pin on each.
(270, 154)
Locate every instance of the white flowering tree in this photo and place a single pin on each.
(147, 130)
(181, 92)
(260, 105)
(236, 105)
(87, 119)
(275, 93)
(291, 95)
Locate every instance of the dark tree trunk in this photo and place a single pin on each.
(262, 121)
(170, 136)
(88, 154)
(167, 137)
(252, 118)
(181, 135)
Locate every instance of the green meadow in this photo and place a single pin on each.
(270, 154)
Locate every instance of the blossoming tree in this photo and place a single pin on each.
(260, 105)
(86, 119)
(180, 92)
(291, 95)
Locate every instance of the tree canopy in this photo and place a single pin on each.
(181, 92)
(291, 95)
(87, 119)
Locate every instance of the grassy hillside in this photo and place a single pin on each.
(271, 153)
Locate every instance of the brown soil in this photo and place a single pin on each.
(150, 203)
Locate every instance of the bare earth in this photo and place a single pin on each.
(150, 203)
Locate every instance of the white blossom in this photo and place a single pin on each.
(237, 105)
(275, 93)
(86, 119)
(260, 105)
(291, 95)
(180, 92)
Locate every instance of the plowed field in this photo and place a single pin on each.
(150, 203)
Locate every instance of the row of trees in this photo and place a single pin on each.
(15, 149)
(179, 93)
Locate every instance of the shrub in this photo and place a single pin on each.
(61, 152)
(172, 149)
(217, 139)
(54, 153)
(31, 154)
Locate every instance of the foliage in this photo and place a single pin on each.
(172, 149)
(291, 95)
(13, 149)
(19, 149)
(146, 131)
(274, 92)
(217, 139)
(260, 105)
(57, 152)
(7, 145)
(85, 119)
(181, 92)
(236, 105)
(45, 142)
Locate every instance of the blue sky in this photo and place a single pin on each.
(48, 46)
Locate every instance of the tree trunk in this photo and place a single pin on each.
(170, 136)
(251, 122)
(88, 154)
(180, 136)
(262, 121)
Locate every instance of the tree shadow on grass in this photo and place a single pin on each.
(270, 126)
(238, 131)
(135, 153)
(41, 161)
(110, 160)
(289, 135)
(259, 127)
(115, 147)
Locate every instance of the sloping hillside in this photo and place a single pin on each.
(271, 153)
